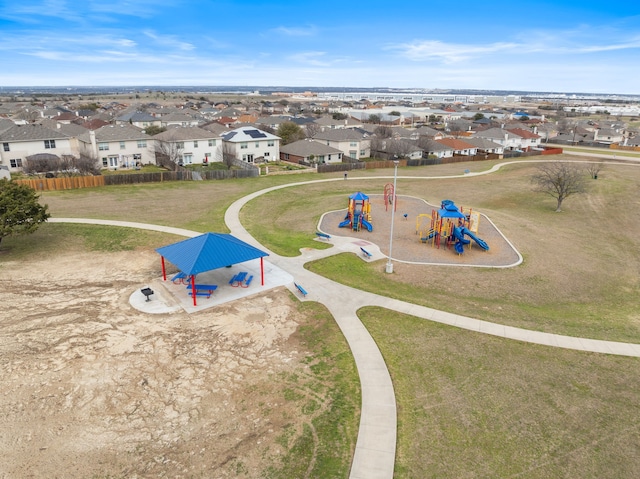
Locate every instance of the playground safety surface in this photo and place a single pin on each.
(406, 242)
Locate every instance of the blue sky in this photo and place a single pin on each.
(585, 46)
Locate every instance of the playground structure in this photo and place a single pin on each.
(390, 197)
(448, 226)
(358, 213)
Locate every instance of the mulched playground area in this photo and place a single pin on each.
(407, 245)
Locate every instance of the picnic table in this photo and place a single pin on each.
(204, 287)
(238, 279)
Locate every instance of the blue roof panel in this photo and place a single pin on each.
(209, 251)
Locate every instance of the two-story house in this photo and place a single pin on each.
(353, 143)
(189, 145)
(528, 140)
(507, 139)
(118, 146)
(249, 144)
(20, 141)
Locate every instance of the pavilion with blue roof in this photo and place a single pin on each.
(207, 252)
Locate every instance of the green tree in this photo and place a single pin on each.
(290, 132)
(478, 116)
(154, 130)
(375, 119)
(20, 212)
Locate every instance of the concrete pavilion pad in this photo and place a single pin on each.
(169, 297)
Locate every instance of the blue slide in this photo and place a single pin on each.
(367, 225)
(344, 223)
(459, 232)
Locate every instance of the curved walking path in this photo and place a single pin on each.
(375, 450)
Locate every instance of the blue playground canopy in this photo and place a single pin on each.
(449, 210)
(359, 196)
(209, 251)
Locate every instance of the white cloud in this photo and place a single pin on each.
(170, 41)
(449, 52)
(296, 31)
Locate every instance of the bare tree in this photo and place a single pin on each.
(383, 132)
(312, 129)
(559, 180)
(228, 154)
(594, 169)
(172, 149)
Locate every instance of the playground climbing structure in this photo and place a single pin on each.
(358, 213)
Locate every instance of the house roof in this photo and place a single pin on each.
(209, 251)
(523, 133)
(341, 134)
(30, 133)
(120, 132)
(483, 143)
(247, 133)
(182, 133)
(432, 145)
(456, 144)
(137, 116)
(308, 147)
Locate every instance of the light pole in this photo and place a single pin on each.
(389, 268)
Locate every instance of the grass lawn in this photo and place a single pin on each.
(468, 407)
(473, 405)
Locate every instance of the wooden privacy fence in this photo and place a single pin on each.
(66, 183)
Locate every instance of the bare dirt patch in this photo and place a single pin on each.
(93, 388)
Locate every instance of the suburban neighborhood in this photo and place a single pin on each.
(307, 130)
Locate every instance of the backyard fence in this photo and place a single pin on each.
(65, 183)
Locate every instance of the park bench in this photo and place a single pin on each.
(365, 253)
(323, 236)
(247, 282)
(238, 279)
(301, 289)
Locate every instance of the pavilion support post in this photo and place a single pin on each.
(262, 270)
(193, 289)
(164, 269)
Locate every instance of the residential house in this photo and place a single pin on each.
(139, 119)
(460, 147)
(178, 119)
(529, 139)
(608, 136)
(327, 122)
(353, 143)
(432, 148)
(310, 152)
(190, 145)
(486, 146)
(20, 141)
(118, 146)
(251, 144)
(431, 133)
(508, 140)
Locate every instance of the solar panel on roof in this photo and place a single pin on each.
(229, 135)
(255, 134)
